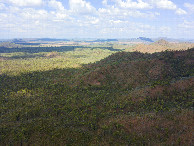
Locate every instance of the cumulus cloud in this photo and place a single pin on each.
(163, 4)
(119, 13)
(144, 4)
(132, 4)
(105, 2)
(60, 14)
(56, 5)
(26, 2)
(115, 18)
(30, 13)
(169, 5)
(180, 11)
(81, 6)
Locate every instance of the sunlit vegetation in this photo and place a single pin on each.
(95, 96)
(159, 46)
(23, 60)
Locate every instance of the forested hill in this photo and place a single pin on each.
(128, 98)
(130, 70)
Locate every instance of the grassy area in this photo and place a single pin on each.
(88, 96)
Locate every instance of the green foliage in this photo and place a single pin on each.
(48, 100)
(22, 62)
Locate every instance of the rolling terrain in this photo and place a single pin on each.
(84, 96)
(161, 45)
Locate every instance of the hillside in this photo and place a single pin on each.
(134, 69)
(127, 98)
(162, 42)
(160, 45)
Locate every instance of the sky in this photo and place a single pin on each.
(96, 18)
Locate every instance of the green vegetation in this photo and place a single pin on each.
(22, 60)
(95, 96)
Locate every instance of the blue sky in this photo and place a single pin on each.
(96, 18)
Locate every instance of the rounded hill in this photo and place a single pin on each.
(134, 69)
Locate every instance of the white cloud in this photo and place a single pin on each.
(116, 21)
(81, 7)
(163, 4)
(30, 13)
(180, 11)
(116, 18)
(26, 2)
(56, 5)
(119, 13)
(60, 14)
(132, 5)
(189, 6)
(167, 4)
(94, 21)
(105, 2)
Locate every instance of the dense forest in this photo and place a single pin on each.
(95, 96)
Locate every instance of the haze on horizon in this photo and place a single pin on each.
(96, 18)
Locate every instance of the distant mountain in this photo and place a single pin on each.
(10, 45)
(18, 41)
(181, 40)
(162, 42)
(23, 42)
(161, 45)
(104, 40)
(146, 39)
(26, 43)
(111, 40)
(52, 39)
(140, 39)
